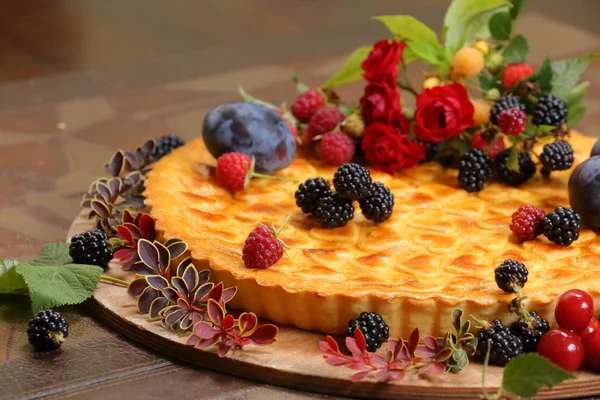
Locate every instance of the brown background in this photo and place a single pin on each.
(80, 78)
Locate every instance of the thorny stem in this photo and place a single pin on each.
(116, 281)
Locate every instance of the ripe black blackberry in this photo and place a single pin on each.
(505, 103)
(372, 326)
(47, 330)
(510, 177)
(550, 110)
(90, 248)
(334, 211)
(352, 181)
(475, 170)
(310, 193)
(530, 331)
(378, 204)
(556, 156)
(430, 152)
(504, 345)
(561, 226)
(165, 145)
(511, 274)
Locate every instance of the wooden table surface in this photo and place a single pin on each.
(80, 78)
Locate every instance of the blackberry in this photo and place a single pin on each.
(372, 326)
(352, 181)
(431, 150)
(310, 193)
(505, 103)
(334, 211)
(556, 156)
(47, 330)
(530, 331)
(378, 204)
(90, 248)
(509, 274)
(504, 345)
(561, 226)
(475, 170)
(165, 145)
(550, 110)
(510, 177)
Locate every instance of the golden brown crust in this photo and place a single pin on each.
(436, 252)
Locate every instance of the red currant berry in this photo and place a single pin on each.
(592, 349)
(562, 347)
(574, 310)
(594, 325)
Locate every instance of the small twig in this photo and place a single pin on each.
(119, 282)
(407, 86)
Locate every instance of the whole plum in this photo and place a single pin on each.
(596, 149)
(584, 191)
(252, 129)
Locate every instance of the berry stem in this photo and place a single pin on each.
(407, 86)
(116, 281)
(257, 175)
(283, 224)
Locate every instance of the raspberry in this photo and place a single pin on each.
(475, 170)
(324, 120)
(561, 226)
(556, 156)
(530, 330)
(477, 142)
(505, 103)
(511, 274)
(334, 211)
(525, 222)
(514, 73)
(352, 181)
(262, 247)
(510, 177)
(307, 104)
(504, 344)
(310, 193)
(550, 110)
(336, 148)
(431, 149)
(234, 171)
(481, 114)
(372, 326)
(90, 248)
(467, 62)
(378, 204)
(512, 121)
(47, 330)
(165, 145)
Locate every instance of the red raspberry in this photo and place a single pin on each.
(512, 121)
(336, 148)
(307, 104)
(514, 73)
(234, 171)
(477, 142)
(325, 120)
(262, 248)
(525, 222)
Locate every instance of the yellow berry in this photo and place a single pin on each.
(482, 46)
(467, 62)
(353, 125)
(431, 82)
(494, 62)
(482, 111)
(493, 94)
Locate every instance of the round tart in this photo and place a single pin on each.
(438, 251)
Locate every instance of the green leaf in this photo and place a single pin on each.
(484, 80)
(53, 254)
(546, 128)
(251, 99)
(544, 76)
(10, 281)
(351, 70)
(479, 26)
(517, 50)
(525, 375)
(513, 159)
(501, 25)
(432, 55)
(567, 72)
(55, 286)
(300, 87)
(576, 94)
(406, 27)
(517, 6)
(460, 15)
(576, 112)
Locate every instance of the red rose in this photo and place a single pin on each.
(380, 103)
(383, 60)
(443, 112)
(388, 149)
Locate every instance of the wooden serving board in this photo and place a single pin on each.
(295, 361)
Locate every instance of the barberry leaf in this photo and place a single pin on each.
(517, 6)
(406, 27)
(55, 286)
(10, 281)
(525, 375)
(501, 25)
(351, 71)
(53, 254)
(517, 50)
(567, 72)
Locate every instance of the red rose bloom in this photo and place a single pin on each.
(380, 103)
(382, 62)
(388, 149)
(443, 112)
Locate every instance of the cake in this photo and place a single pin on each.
(437, 252)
